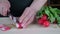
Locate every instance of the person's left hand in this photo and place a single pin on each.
(27, 17)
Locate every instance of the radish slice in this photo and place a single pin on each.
(18, 25)
(5, 28)
(2, 25)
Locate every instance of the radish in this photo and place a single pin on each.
(2, 25)
(5, 28)
(46, 23)
(40, 21)
(44, 17)
(18, 25)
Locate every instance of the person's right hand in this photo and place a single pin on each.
(4, 7)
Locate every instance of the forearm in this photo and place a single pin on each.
(37, 4)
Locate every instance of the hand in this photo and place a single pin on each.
(27, 17)
(4, 8)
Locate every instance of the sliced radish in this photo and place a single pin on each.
(18, 25)
(2, 25)
(5, 28)
(46, 23)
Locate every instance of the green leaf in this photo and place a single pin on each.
(58, 19)
(47, 11)
(50, 15)
(54, 12)
(57, 10)
(58, 25)
(40, 12)
(52, 19)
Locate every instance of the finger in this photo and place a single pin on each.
(0, 12)
(28, 17)
(4, 11)
(19, 25)
(1, 9)
(6, 7)
(28, 22)
(26, 12)
(8, 10)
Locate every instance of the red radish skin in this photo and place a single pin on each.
(5, 28)
(1, 25)
(43, 20)
(40, 21)
(44, 17)
(18, 25)
(46, 24)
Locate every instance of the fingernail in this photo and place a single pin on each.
(4, 15)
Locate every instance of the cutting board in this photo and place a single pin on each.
(31, 29)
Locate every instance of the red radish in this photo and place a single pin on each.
(46, 23)
(18, 25)
(44, 17)
(40, 21)
(5, 28)
(2, 25)
(43, 20)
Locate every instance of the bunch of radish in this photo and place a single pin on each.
(48, 15)
(44, 21)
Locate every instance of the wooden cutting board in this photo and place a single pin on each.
(6, 20)
(31, 29)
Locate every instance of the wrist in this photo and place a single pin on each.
(33, 9)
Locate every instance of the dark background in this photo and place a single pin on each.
(53, 3)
